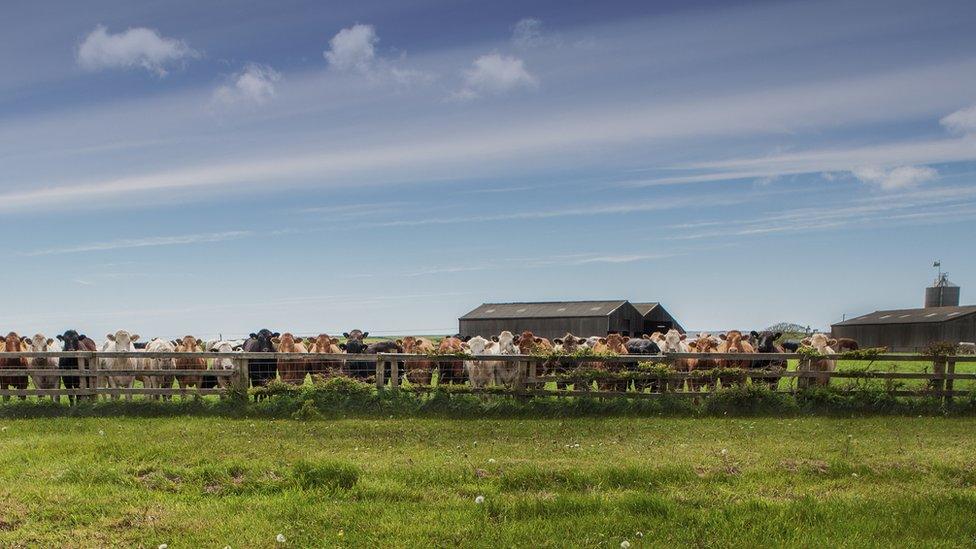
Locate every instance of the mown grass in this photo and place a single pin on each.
(212, 482)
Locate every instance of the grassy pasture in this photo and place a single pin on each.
(213, 482)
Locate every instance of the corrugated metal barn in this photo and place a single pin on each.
(910, 330)
(554, 319)
(656, 319)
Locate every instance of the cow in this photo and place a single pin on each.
(261, 370)
(506, 373)
(531, 344)
(480, 372)
(733, 342)
(642, 346)
(325, 344)
(40, 343)
(420, 372)
(845, 344)
(824, 346)
(385, 347)
(791, 345)
(119, 342)
(190, 344)
(568, 344)
(675, 342)
(613, 344)
(222, 362)
(701, 345)
(450, 372)
(13, 344)
(71, 340)
(766, 343)
(163, 381)
(355, 334)
(358, 369)
(291, 370)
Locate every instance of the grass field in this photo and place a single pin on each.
(214, 482)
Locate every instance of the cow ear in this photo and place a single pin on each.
(342, 346)
(134, 337)
(110, 337)
(345, 335)
(60, 338)
(82, 337)
(831, 342)
(494, 338)
(805, 341)
(537, 340)
(683, 337)
(399, 342)
(602, 340)
(558, 341)
(777, 335)
(276, 334)
(365, 335)
(253, 335)
(199, 341)
(754, 334)
(50, 341)
(722, 336)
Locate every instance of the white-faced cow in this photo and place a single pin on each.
(119, 342)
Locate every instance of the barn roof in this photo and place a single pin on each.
(548, 309)
(644, 308)
(911, 316)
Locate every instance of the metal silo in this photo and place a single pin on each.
(942, 293)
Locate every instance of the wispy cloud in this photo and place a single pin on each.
(255, 85)
(143, 243)
(494, 74)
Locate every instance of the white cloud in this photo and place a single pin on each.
(527, 33)
(135, 47)
(353, 48)
(494, 74)
(895, 178)
(255, 84)
(962, 121)
(152, 241)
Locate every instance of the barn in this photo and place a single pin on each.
(656, 318)
(555, 318)
(910, 330)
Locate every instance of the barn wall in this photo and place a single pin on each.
(543, 327)
(909, 337)
(659, 320)
(625, 319)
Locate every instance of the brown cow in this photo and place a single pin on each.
(420, 372)
(13, 344)
(733, 342)
(614, 344)
(824, 346)
(451, 372)
(323, 343)
(568, 344)
(845, 344)
(292, 370)
(189, 344)
(530, 344)
(701, 345)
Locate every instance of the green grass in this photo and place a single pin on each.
(212, 482)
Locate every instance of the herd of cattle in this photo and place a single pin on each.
(564, 358)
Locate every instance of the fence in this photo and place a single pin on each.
(625, 375)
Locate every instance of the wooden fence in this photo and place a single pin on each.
(533, 373)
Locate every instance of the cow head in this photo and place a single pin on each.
(506, 343)
(221, 347)
(703, 345)
(355, 334)
(287, 343)
(672, 341)
(264, 341)
(616, 343)
(13, 343)
(123, 339)
(766, 341)
(450, 345)
(322, 343)
(410, 344)
(71, 340)
(188, 344)
(570, 343)
(820, 342)
(39, 343)
(733, 341)
(476, 345)
(354, 347)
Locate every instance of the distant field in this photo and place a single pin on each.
(213, 482)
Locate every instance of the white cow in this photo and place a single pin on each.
(222, 362)
(158, 382)
(43, 344)
(822, 344)
(119, 342)
(480, 372)
(506, 373)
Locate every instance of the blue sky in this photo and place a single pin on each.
(205, 168)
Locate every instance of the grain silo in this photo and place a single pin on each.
(942, 293)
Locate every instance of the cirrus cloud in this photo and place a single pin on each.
(254, 84)
(133, 48)
(895, 178)
(353, 48)
(962, 121)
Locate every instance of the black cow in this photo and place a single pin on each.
(791, 345)
(766, 343)
(640, 346)
(261, 370)
(386, 347)
(355, 346)
(71, 340)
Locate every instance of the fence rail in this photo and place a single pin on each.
(532, 372)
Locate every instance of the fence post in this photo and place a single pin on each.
(938, 367)
(240, 380)
(380, 373)
(395, 373)
(950, 370)
(100, 380)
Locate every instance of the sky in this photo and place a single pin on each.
(212, 168)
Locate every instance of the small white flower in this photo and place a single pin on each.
(854, 475)
(101, 432)
(163, 546)
(725, 451)
(4, 428)
(227, 547)
(280, 538)
(491, 460)
(640, 534)
(624, 544)
(479, 500)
